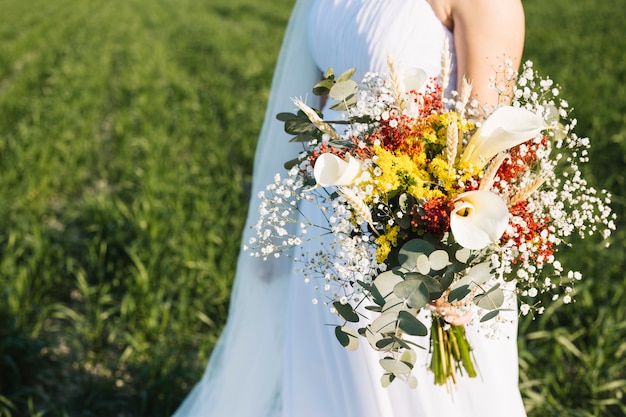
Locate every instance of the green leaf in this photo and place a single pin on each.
(323, 87)
(446, 280)
(395, 366)
(393, 304)
(409, 324)
(489, 316)
(291, 163)
(384, 343)
(347, 336)
(298, 126)
(387, 379)
(283, 117)
(409, 356)
(413, 292)
(346, 75)
(379, 329)
(345, 104)
(385, 323)
(411, 250)
(346, 312)
(301, 138)
(492, 299)
(342, 90)
(432, 285)
(459, 293)
(383, 286)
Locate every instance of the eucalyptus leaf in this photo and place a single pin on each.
(393, 304)
(387, 379)
(492, 314)
(446, 279)
(432, 285)
(323, 87)
(385, 323)
(345, 104)
(385, 282)
(382, 326)
(346, 312)
(411, 250)
(490, 300)
(291, 163)
(409, 356)
(459, 293)
(347, 336)
(298, 126)
(284, 116)
(342, 90)
(409, 324)
(301, 138)
(439, 259)
(346, 75)
(395, 366)
(385, 343)
(412, 382)
(413, 292)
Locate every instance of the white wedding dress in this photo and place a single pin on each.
(277, 356)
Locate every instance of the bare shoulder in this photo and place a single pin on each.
(492, 12)
(443, 11)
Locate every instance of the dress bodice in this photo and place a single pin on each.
(363, 33)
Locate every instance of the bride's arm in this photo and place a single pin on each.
(485, 33)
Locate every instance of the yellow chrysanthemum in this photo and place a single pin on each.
(385, 242)
(397, 172)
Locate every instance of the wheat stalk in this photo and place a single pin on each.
(446, 64)
(526, 192)
(315, 119)
(358, 205)
(464, 96)
(452, 141)
(487, 182)
(394, 77)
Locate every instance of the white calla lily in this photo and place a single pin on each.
(332, 170)
(478, 219)
(413, 79)
(507, 127)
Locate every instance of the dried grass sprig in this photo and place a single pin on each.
(464, 96)
(452, 141)
(357, 203)
(524, 193)
(316, 120)
(396, 85)
(446, 65)
(487, 182)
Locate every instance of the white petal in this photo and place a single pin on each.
(332, 170)
(413, 79)
(351, 171)
(478, 219)
(506, 127)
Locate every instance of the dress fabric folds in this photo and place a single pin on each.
(277, 356)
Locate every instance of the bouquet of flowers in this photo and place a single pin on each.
(430, 215)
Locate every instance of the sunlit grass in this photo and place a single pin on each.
(127, 131)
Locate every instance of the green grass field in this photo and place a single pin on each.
(127, 131)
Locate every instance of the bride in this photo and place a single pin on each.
(276, 357)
